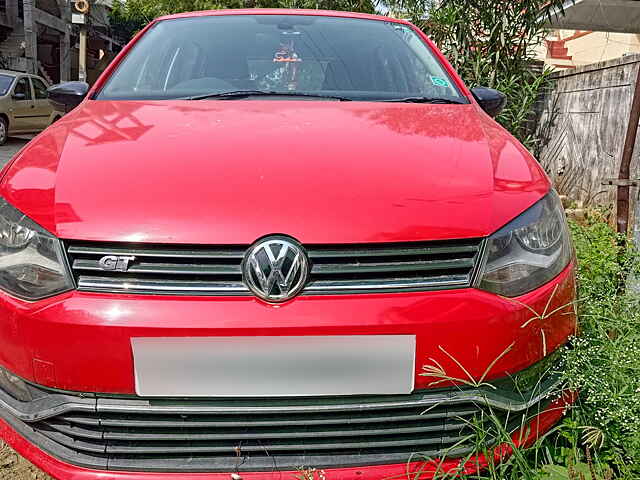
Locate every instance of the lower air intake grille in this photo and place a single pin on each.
(276, 434)
(334, 269)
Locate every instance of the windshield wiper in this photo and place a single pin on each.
(426, 100)
(263, 93)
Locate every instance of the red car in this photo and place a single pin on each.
(276, 240)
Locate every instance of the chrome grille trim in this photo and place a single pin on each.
(137, 285)
(142, 251)
(335, 269)
(328, 287)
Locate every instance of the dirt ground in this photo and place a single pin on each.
(14, 467)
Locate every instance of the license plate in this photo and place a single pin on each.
(274, 366)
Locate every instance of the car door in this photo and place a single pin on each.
(21, 111)
(43, 109)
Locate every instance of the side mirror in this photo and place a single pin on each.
(68, 95)
(19, 96)
(492, 101)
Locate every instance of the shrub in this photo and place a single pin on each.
(604, 362)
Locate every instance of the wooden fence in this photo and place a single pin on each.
(582, 127)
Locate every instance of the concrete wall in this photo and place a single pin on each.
(575, 48)
(583, 126)
(602, 46)
(43, 42)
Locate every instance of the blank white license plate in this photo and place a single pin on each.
(274, 366)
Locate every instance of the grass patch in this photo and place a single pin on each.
(604, 363)
(599, 438)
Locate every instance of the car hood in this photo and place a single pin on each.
(232, 171)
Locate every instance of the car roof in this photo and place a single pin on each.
(282, 11)
(13, 73)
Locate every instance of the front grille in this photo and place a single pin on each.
(269, 434)
(335, 269)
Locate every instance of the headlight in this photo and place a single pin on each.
(529, 251)
(32, 264)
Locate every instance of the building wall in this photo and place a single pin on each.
(575, 48)
(12, 51)
(37, 36)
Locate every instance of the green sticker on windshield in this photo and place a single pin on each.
(439, 82)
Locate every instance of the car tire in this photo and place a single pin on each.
(4, 131)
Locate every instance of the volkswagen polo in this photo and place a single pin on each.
(274, 240)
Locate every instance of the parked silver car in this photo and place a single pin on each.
(24, 107)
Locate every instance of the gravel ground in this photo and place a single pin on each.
(12, 465)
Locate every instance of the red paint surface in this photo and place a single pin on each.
(86, 338)
(230, 172)
(62, 471)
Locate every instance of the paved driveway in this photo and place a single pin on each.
(8, 150)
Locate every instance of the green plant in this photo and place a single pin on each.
(604, 363)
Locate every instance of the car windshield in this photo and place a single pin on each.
(348, 58)
(5, 83)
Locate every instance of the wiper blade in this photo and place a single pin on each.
(426, 100)
(263, 93)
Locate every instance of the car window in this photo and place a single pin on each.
(22, 86)
(39, 88)
(355, 58)
(5, 83)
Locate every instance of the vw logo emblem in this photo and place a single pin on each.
(275, 269)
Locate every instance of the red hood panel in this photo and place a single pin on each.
(219, 172)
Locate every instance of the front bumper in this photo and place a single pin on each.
(73, 436)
